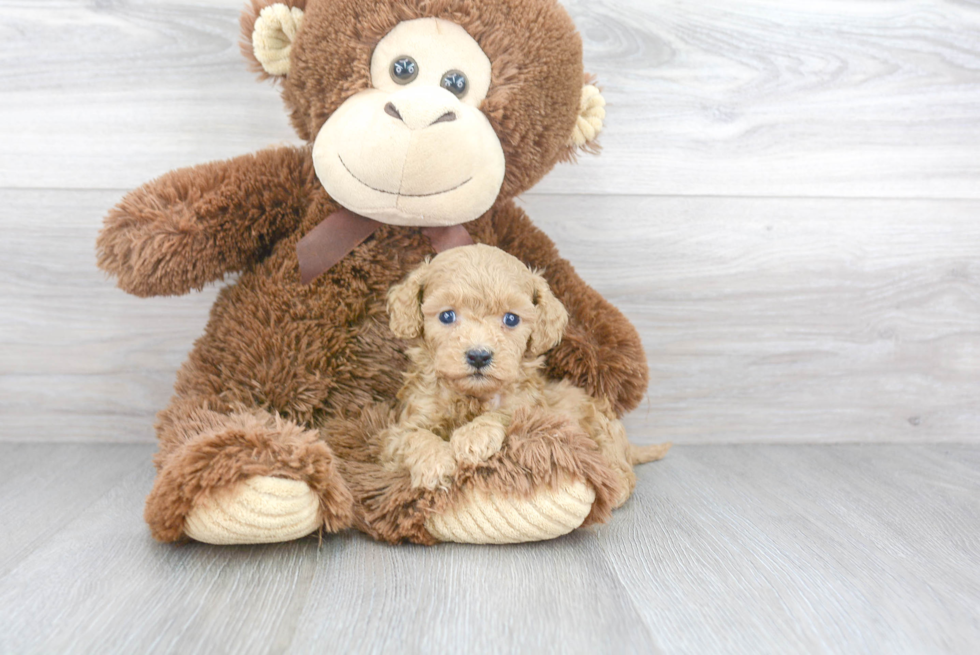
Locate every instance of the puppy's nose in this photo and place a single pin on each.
(479, 358)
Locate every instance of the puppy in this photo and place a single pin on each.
(484, 321)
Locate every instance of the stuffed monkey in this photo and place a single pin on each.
(423, 119)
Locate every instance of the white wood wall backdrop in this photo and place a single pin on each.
(787, 206)
(719, 97)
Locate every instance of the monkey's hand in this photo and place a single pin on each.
(479, 439)
(194, 225)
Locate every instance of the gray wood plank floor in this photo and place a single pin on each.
(723, 549)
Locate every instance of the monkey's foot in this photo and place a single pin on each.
(259, 510)
(548, 479)
(481, 518)
(241, 478)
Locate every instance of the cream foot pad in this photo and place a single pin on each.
(481, 519)
(260, 510)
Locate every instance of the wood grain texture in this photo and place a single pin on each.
(760, 97)
(797, 320)
(44, 486)
(805, 549)
(724, 549)
(764, 320)
(81, 360)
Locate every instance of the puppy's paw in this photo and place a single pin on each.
(432, 468)
(478, 440)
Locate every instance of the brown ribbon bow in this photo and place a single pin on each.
(342, 231)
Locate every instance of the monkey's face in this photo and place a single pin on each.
(415, 149)
(427, 112)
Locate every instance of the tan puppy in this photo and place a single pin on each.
(485, 321)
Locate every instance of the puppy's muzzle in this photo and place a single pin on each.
(479, 358)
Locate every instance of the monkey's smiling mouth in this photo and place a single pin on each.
(395, 193)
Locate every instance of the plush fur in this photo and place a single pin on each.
(527, 41)
(541, 450)
(220, 450)
(280, 359)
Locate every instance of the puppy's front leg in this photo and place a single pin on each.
(479, 439)
(428, 458)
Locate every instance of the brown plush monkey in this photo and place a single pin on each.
(423, 119)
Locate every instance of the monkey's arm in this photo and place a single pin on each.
(601, 351)
(194, 225)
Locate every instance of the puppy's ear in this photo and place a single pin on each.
(552, 319)
(405, 305)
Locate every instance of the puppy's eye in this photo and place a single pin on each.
(404, 70)
(511, 320)
(455, 83)
(448, 317)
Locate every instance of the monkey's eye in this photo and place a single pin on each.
(448, 317)
(455, 83)
(511, 320)
(404, 70)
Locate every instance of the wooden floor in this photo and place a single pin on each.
(787, 206)
(734, 549)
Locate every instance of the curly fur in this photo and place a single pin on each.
(453, 411)
(218, 450)
(540, 450)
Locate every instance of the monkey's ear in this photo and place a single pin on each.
(405, 305)
(591, 114)
(549, 326)
(268, 33)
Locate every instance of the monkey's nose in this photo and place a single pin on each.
(479, 358)
(448, 117)
(420, 108)
(392, 111)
